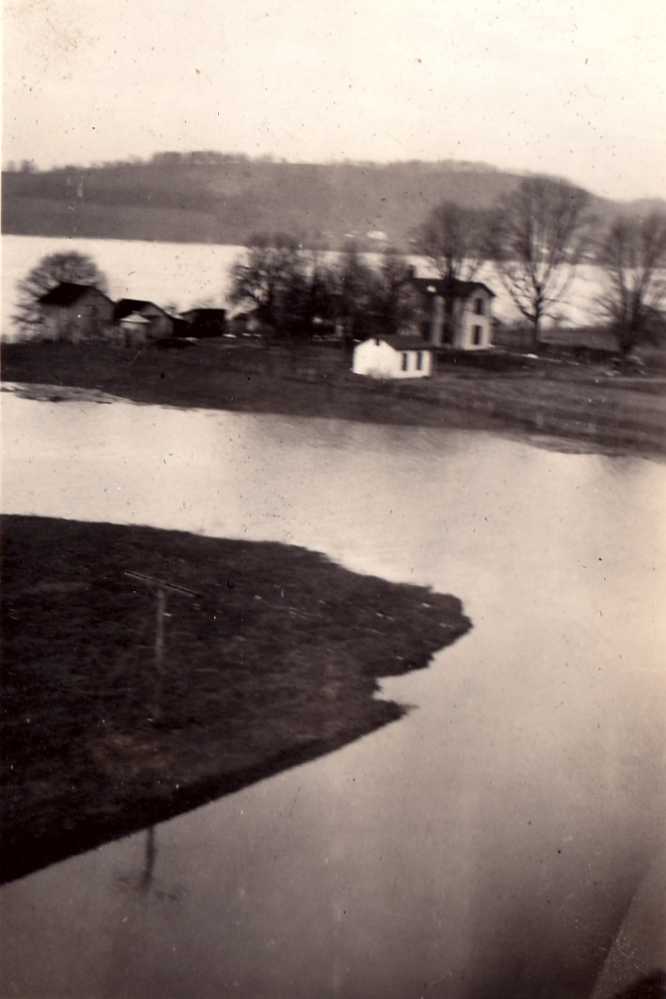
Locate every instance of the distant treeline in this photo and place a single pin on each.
(216, 197)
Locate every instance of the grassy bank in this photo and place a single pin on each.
(585, 402)
(273, 662)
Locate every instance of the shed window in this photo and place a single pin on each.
(405, 362)
(477, 333)
(478, 306)
(419, 361)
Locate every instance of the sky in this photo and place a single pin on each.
(576, 89)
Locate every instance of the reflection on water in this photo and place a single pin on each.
(491, 842)
(149, 860)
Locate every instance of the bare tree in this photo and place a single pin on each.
(395, 303)
(353, 283)
(321, 300)
(633, 256)
(539, 236)
(52, 270)
(293, 288)
(267, 274)
(454, 239)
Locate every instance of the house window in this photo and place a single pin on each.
(477, 335)
(419, 361)
(405, 362)
(478, 306)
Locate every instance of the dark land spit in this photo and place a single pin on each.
(273, 662)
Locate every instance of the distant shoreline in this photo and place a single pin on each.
(73, 237)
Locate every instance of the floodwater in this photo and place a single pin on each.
(490, 843)
(189, 274)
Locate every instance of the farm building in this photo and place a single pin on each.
(393, 357)
(160, 323)
(75, 312)
(247, 323)
(134, 328)
(592, 342)
(455, 313)
(205, 322)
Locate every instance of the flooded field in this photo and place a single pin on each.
(491, 842)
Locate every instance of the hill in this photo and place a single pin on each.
(211, 197)
(214, 198)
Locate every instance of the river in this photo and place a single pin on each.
(488, 844)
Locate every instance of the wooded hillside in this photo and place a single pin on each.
(209, 197)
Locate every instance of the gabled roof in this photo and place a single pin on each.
(67, 293)
(450, 287)
(127, 305)
(402, 342)
(135, 318)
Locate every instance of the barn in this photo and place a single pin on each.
(75, 312)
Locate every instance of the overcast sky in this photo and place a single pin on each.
(577, 89)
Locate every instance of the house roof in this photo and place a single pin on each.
(402, 342)
(67, 293)
(136, 319)
(450, 287)
(128, 305)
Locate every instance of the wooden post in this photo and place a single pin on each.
(159, 652)
(161, 587)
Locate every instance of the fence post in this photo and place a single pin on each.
(161, 587)
(159, 652)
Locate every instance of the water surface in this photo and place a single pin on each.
(488, 844)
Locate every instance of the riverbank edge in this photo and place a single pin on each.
(570, 434)
(262, 674)
(531, 399)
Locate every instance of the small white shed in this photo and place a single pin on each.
(393, 357)
(135, 329)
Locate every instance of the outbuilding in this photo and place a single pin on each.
(135, 329)
(205, 322)
(160, 323)
(75, 312)
(393, 357)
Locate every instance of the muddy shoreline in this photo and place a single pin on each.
(519, 398)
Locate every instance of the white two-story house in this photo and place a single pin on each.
(455, 313)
